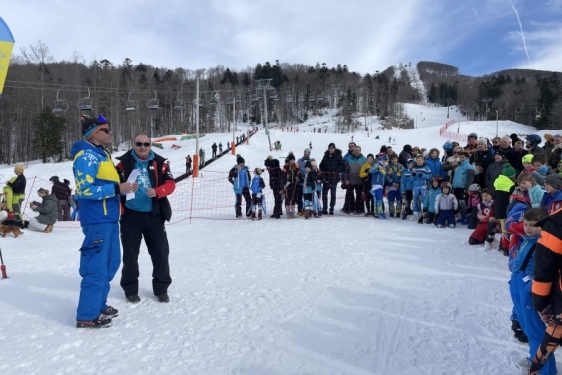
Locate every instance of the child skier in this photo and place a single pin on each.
(378, 174)
(256, 187)
(421, 174)
(472, 203)
(552, 199)
(429, 201)
(393, 177)
(527, 187)
(309, 189)
(291, 178)
(546, 289)
(504, 187)
(445, 206)
(520, 288)
(406, 188)
(488, 224)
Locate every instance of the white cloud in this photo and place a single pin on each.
(367, 35)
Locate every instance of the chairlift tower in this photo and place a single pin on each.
(265, 84)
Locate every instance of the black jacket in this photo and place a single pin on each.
(547, 279)
(161, 180)
(275, 176)
(18, 186)
(332, 165)
(404, 157)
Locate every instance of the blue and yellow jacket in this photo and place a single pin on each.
(406, 182)
(97, 184)
(378, 173)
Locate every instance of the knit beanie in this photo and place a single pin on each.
(290, 157)
(547, 136)
(408, 148)
(509, 171)
(91, 125)
(258, 171)
(527, 158)
(447, 146)
(19, 168)
(240, 160)
(554, 180)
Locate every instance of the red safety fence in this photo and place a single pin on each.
(443, 132)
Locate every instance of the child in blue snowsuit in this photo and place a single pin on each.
(256, 187)
(393, 194)
(406, 187)
(429, 201)
(419, 177)
(520, 287)
(378, 175)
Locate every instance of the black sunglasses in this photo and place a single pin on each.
(106, 130)
(141, 144)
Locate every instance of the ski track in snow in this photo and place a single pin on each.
(335, 295)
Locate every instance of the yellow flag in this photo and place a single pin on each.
(6, 45)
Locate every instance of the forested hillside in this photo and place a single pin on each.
(43, 98)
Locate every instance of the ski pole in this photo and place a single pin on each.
(2, 266)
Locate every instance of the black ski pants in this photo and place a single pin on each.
(332, 188)
(134, 226)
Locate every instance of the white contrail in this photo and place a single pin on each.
(521, 28)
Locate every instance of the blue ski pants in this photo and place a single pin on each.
(100, 258)
(529, 319)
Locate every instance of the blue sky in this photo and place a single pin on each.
(477, 36)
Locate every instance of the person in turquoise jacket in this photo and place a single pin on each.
(429, 200)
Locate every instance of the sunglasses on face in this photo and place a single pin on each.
(142, 144)
(105, 130)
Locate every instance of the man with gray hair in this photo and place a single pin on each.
(144, 216)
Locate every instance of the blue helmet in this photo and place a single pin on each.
(448, 146)
(534, 139)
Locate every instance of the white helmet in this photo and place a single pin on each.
(474, 187)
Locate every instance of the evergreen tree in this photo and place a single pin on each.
(48, 134)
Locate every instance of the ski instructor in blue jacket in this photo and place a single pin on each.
(98, 189)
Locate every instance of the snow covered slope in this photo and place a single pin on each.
(335, 295)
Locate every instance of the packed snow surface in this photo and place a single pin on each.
(335, 295)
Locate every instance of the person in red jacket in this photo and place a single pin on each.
(144, 215)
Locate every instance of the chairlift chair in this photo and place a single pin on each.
(154, 103)
(132, 105)
(86, 103)
(61, 105)
(179, 104)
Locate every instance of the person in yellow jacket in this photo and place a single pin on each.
(364, 174)
(14, 193)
